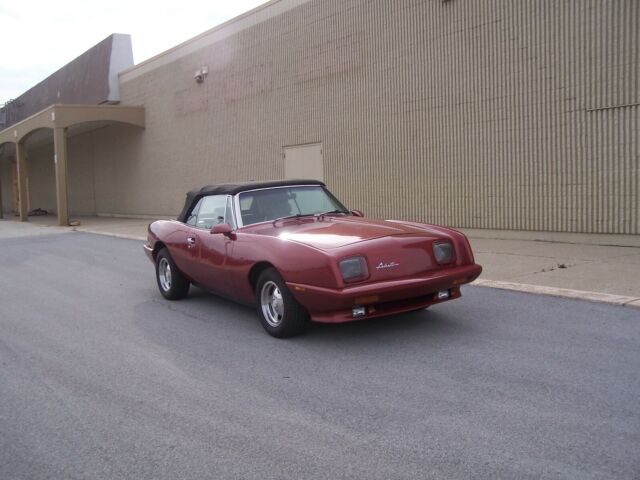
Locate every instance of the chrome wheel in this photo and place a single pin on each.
(164, 274)
(272, 303)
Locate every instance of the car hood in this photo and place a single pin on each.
(334, 232)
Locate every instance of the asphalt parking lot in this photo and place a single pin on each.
(102, 378)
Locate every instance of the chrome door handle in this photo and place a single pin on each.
(191, 240)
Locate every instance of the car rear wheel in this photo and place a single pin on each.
(279, 312)
(171, 282)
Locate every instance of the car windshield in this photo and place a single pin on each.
(274, 203)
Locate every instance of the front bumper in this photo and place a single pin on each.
(390, 297)
(149, 251)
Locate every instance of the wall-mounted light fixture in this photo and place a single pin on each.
(201, 74)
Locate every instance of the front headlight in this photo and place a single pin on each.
(353, 268)
(443, 252)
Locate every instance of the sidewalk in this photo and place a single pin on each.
(590, 272)
(132, 228)
(586, 270)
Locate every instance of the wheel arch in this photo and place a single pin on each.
(157, 247)
(255, 272)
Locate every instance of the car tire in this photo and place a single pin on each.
(171, 282)
(280, 313)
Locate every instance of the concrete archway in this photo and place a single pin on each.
(59, 118)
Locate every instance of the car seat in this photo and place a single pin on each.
(275, 205)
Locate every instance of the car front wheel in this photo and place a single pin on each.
(279, 312)
(171, 282)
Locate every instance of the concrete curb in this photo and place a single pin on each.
(598, 297)
(110, 234)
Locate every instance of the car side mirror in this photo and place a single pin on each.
(357, 213)
(223, 228)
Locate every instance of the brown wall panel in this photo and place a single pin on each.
(480, 114)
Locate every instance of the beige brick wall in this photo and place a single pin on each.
(6, 168)
(41, 171)
(492, 114)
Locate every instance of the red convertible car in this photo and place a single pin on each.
(295, 252)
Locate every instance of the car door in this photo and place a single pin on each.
(182, 243)
(209, 252)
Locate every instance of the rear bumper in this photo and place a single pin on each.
(328, 305)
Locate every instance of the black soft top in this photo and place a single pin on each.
(193, 196)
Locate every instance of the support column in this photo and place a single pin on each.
(23, 201)
(60, 160)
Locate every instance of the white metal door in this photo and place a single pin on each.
(304, 161)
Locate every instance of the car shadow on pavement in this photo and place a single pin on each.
(202, 318)
(433, 323)
(413, 325)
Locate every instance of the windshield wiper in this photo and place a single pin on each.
(329, 212)
(297, 215)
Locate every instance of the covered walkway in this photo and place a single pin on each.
(59, 118)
